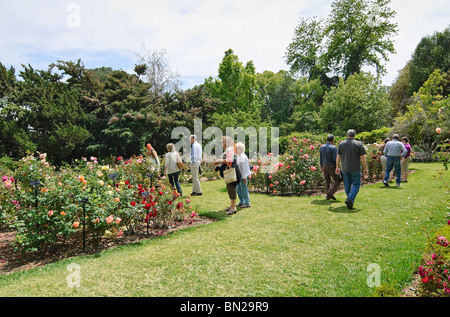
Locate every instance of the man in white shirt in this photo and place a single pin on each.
(394, 151)
(196, 159)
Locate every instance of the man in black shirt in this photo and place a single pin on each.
(351, 153)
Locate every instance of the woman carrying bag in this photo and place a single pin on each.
(173, 166)
(229, 171)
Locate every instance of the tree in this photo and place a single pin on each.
(428, 110)
(433, 52)
(399, 94)
(278, 96)
(44, 114)
(236, 90)
(157, 71)
(359, 103)
(356, 34)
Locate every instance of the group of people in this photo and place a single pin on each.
(343, 164)
(338, 164)
(234, 157)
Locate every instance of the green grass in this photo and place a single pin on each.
(280, 247)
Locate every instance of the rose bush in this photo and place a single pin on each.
(373, 159)
(435, 270)
(46, 206)
(296, 172)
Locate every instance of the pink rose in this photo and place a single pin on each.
(442, 241)
(303, 182)
(110, 219)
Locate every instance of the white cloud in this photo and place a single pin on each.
(195, 33)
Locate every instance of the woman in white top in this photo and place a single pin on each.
(244, 168)
(171, 168)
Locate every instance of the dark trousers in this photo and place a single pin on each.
(329, 174)
(173, 180)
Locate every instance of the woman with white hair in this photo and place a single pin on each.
(244, 168)
(171, 168)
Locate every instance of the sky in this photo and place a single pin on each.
(194, 33)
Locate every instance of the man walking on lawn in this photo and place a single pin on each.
(394, 152)
(351, 154)
(328, 153)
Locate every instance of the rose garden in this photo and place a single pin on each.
(86, 210)
(45, 209)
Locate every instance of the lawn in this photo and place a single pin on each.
(280, 247)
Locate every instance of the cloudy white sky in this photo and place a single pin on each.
(195, 33)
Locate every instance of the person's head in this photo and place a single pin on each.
(240, 147)
(405, 140)
(386, 140)
(351, 133)
(193, 138)
(330, 138)
(227, 142)
(170, 147)
(395, 137)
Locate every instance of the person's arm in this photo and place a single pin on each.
(338, 161)
(321, 159)
(363, 161)
(404, 151)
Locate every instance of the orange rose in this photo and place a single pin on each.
(438, 130)
(76, 224)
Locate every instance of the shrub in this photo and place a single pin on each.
(373, 159)
(435, 269)
(98, 199)
(297, 171)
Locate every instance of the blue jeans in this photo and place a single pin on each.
(393, 163)
(352, 183)
(242, 191)
(173, 180)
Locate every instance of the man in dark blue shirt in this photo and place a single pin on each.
(328, 153)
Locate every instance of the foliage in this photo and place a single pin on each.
(357, 33)
(69, 111)
(427, 120)
(385, 290)
(297, 171)
(432, 53)
(374, 136)
(98, 199)
(435, 269)
(373, 159)
(359, 103)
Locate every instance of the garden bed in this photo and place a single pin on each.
(13, 261)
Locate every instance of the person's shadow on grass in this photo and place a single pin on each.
(332, 208)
